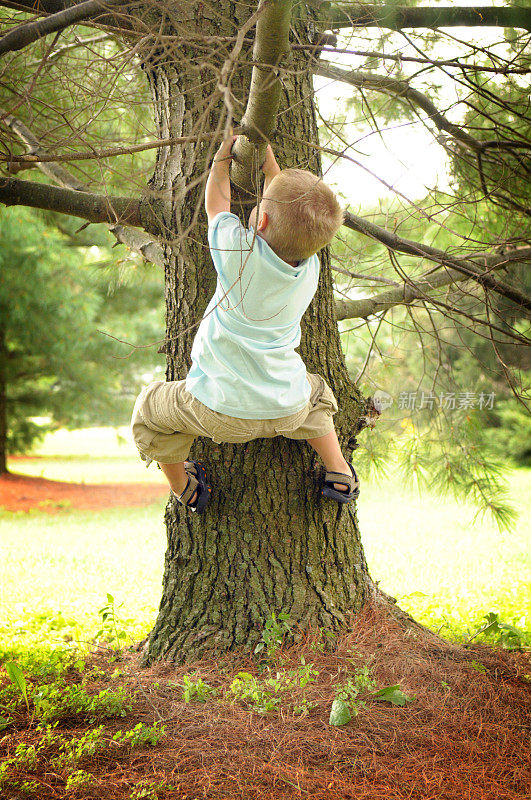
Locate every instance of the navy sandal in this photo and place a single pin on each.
(341, 495)
(197, 481)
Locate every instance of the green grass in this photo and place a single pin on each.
(443, 569)
(82, 469)
(95, 455)
(55, 570)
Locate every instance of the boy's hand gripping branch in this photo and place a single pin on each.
(217, 192)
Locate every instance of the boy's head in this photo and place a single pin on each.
(299, 214)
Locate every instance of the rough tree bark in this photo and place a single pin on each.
(269, 541)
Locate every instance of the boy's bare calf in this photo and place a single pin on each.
(327, 447)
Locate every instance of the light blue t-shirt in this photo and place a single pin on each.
(244, 362)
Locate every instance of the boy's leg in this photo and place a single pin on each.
(177, 477)
(328, 448)
(161, 437)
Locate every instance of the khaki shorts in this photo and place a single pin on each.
(167, 419)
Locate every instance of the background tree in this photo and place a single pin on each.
(264, 546)
(54, 299)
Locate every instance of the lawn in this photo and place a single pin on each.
(56, 570)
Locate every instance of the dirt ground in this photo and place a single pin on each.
(463, 736)
(25, 493)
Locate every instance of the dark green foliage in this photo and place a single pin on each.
(54, 301)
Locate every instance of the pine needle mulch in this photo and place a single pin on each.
(465, 736)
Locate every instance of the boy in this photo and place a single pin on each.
(246, 380)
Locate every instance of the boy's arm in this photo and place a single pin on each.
(270, 167)
(217, 192)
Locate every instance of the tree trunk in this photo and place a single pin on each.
(269, 541)
(3, 401)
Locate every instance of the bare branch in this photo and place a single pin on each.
(402, 90)
(457, 63)
(111, 151)
(467, 268)
(93, 207)
(397, 17)
(37, 154)
(419, 289)
(29, 32)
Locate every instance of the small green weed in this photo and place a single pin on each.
(253, 692)
(266, 694)
(16, 676)
(392, 694)
(78, 779)
(25, 760)
(273, 634)
(348, 693)
(29, 787)
(197, 690)
(49, 735)
(148, 791)
(507, 636)
(111, 626)
(43, 662)
(478, 666)
(85, 746)
(55, 702)
(141, 735)
(347, 703)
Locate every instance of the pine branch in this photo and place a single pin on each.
(460, 269)
(418, 289)
(30, 32)
(402, 90)
(135, 240)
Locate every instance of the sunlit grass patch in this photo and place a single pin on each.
(55, 572)
(447, 572)
(89, 455)
(82, 469)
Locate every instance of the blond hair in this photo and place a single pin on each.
(303, 213)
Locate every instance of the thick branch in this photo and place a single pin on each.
(398, 17)
(135, 240)
(402, 90)
(419, 289)
(29, 32)
(43, 6)
(464, 267)
(93, 207)
(271, 44)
